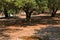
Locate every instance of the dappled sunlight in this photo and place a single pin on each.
(13, 32)
(17, 28)
(29, 19)
(36, 20)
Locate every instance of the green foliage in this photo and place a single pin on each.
(54, 3)
(42, 4)
(53, 6)
(8, 4)
(28, 7)
(16, 5)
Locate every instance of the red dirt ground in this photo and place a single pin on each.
(14, 32)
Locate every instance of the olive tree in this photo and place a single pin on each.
(53, 6)
(29, 6)
(6, 5)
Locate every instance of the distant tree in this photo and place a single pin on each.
(6, 5)
(53, 6)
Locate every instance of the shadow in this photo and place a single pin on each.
(49, 33)
(4, 24)
(4, 36)
(45, 20)
(9, 17)
(16, 21)
(5, 32)
(58, 15)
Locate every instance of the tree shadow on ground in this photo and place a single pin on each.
(2, 35)
(44, 20)
(58, 15)
(16, 21)
(49, 33)
(4, 24)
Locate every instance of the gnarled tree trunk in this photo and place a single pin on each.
(54, 10)
(28, 16)
(5, 13)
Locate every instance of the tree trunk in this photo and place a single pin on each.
(54, 12)
(5, 13)
(43, 11)
(28, 17)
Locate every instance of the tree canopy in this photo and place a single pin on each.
(14, 6)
